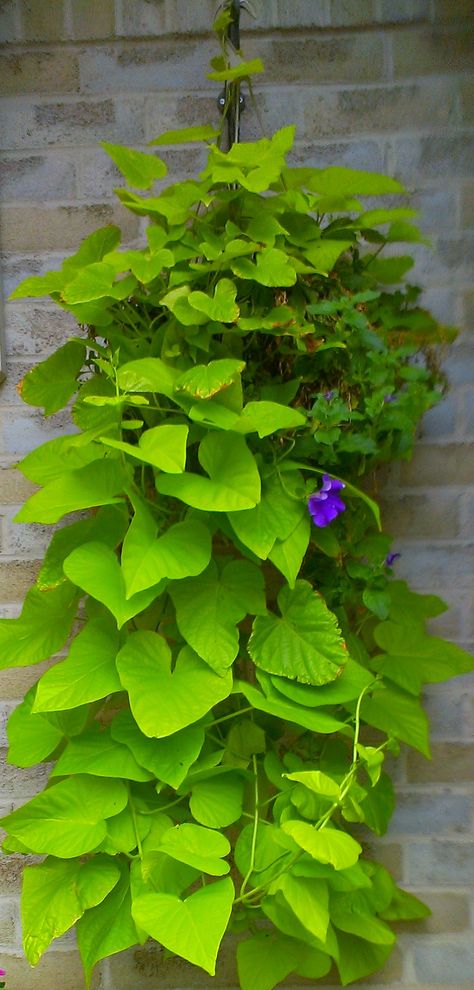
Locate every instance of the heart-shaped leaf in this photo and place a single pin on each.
(268, 417)
(192, 928)
(109, 927)
(97, 753)
(164, 701)
(41, 629)
(206, 380)
(87, 674)
(95, 484)
(147, 375)
(274, 518)
(202, 848)
(182, 551)
(217, 802)
(233, 483)
(94, 568)
(52, 382)
(140, 170)
(169, 759)
(273, 268)
(221, 307)
(326, 845)
(305, 644)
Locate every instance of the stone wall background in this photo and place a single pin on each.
(376, 84)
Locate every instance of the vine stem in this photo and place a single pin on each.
(255, 828)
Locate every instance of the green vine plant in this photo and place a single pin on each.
(240, 657)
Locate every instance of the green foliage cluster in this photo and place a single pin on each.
(236, 676)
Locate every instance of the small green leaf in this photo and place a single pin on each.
(109, 525)
(147, 375)
(288, 554)
(217, 802)
(164, 701)
(233, 483)
(389, 271)
(168, 759)
(95, 484)
(31, 739)
(240, 71)
(202, 848)
(398, 714)
(273, 268)
(358, 958)
(326, 845)
(265, 959)
(324, 254)
(276, 516)
(209, 607)
(206, 380)
(405, 907)
(97, 281)
(282, 708)
(96, 752)
(57, 456)
(192, 928)
(140, 170)
(265, 418)
(348, 686)
(308, 899)
(221, 307)
(53, 382)
(317, 782)
(94, 568)
(55, 895)
(39, 285)
(340, 181)
(415, 658)
(304, 644)
(93, 248)
(68, 819)
(183, 550)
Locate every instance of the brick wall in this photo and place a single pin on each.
(378, 84)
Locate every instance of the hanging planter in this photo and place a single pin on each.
(242, 658)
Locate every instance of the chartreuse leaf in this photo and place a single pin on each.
(54, 381)
(168, 759)
(41, 629)
(390, 271)
(309, 901)
(354, 917)
(305, 644)
(30, 738)
(94, 568)
(39, 285)
(87, 674)
(408, 606)
(318, 782)
(378, 805)
(97, 281)
(185, 135)
(140, 170)
(414, 658)
(283, 708)
(233, 482)
(405, 907)
(164, 701)
(192, 928)
(147, 375)
(95, 484)
(240, 71)
(55, 895)
(206, 380)
(398, 714)
(348, 686)
(108, 928)
(109, 525)
(93, 248)
(202, 848)
(357, 958)
(268, 417)
(323, 254)
(220, 307)
(340, 181)
(52, 459)
(326, 845)
(217, 802)
(209, 607)
(272, 267)
(182, 550)
(163, 446)
(97, 753)
(276, 516)
(69, 818)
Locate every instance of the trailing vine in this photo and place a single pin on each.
(240, 656)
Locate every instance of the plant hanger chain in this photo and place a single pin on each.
(231, 100)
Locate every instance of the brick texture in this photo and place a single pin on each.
(377, 84)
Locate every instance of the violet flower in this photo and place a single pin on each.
(329, 395)
(389, 398)
(391, 558)
(325, 505)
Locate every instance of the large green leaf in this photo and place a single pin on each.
(94, 568)
(163, 446)
(93, 248)
(398, 714)
(217, 802)
(265, 418)
(308, 899)
(147, 375)
(168, 759)
(55, 895)
(140, 170)
(202, 848)
(288, 555)
(275, 517)
(358, 958)
(233, 483)
(304, 644)
(97, 281)
(348, 686)
(39, 285)
(164, 701)
(209, 607)
(183, 550)
(97, 753)
(340, 181)
(354, 917)
(41, 629)
(52, 459)
(414, 658)
(220, 307)
(87, 674)
(324, 254)
(326, 845)
(265, 959)
(68, 819)
(95, 484)
(108, 928)
(206, 380)
(53, 382)
(282, 708)
(192, 928)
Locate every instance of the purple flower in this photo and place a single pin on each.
(391, 558)
(389, 398)
(325, 505)
(329, 395)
